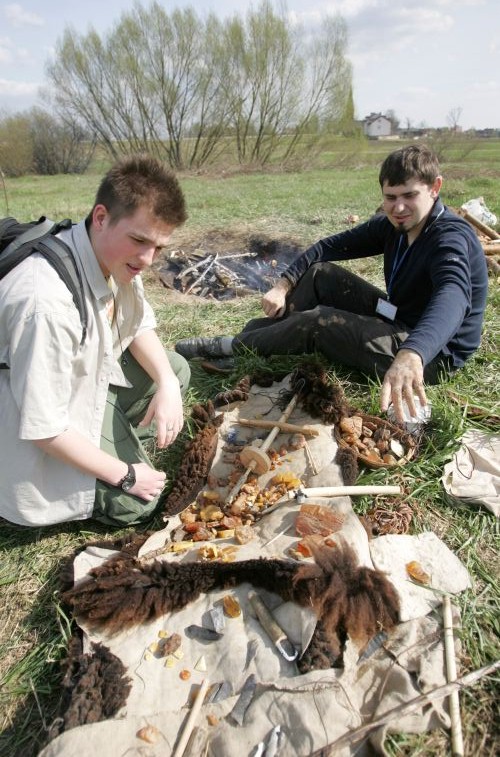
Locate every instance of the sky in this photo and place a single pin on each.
(429, 61)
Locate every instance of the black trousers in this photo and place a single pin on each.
(333, 311)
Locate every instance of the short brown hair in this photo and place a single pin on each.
(413, 162)
(142, 181)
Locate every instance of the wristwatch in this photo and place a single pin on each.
(127, 482)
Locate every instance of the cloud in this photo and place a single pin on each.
(18, 88)
(17, 16)
(5, 52)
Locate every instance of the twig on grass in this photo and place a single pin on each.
(408, 708)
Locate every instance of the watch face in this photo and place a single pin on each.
(128, 484)
(129, 480)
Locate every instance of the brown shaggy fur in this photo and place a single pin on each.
(347, 460)
(238, 394)
(197, 460)
(349, 600)
(317, 395)
(94, 687)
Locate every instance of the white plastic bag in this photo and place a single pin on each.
(478, 209)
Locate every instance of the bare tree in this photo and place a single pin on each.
(175, 85)
(59, 146)
(453, 118)
(146, 87)
(280, 82)
(392, 117)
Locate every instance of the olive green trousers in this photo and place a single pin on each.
(121, 437)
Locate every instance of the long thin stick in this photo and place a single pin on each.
(457, 742)
(265, 446)
(312, 461)
(408, 707)
(347, 491)
(287, 428)
(202, 275)
(491, 233)
(190, 722)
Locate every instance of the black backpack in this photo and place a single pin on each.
(19, 240)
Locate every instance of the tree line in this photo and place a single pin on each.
(186, 88)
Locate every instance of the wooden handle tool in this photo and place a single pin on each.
(256, 458)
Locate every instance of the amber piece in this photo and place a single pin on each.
(149, 733)
(317, 519)
(168, 646)
(211, 512)
(288, 478)
(389, 459)
(203, 534)
(297, 441)
(415, 571)
(231, 606)
(193, 527)
(244, 534)
(212, 719)
(184, 675)
(352, 425)
(304, 549)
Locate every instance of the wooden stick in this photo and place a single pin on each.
(263, 449)
(347, 491)
(287, 428)
(202, 275)
(487, 230)
(457, 742)
(190, 722)
(491, 248)
(312, 461)
(493, 265)
(409, 707)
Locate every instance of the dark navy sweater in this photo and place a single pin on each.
(439, 288)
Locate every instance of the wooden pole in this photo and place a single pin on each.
(457, 743)
(482, 227)
(286, 428)
(256, 455)
(190, 722)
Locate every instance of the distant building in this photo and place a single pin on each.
(376, 125)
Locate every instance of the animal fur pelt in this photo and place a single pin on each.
(316, 393)
(197, 460)
(347, 460)
(348, 600)
(239, 393)
(94, 687)
(128, 544)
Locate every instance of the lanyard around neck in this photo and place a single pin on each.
(399, 259)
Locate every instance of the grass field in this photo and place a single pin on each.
(301, 206)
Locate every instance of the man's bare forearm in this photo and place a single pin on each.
(72, 448)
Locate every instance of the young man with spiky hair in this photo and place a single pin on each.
(424, 326)
(73, 414)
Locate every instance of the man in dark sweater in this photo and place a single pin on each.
(423, 327)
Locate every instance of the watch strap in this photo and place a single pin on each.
(129, 475)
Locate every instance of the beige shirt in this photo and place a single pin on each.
(53, 383)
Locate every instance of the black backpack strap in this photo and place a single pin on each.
(10, 257)
(61, 258)
(37, 230)
(40, 238)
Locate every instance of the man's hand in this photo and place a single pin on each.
(166, 410)
(403, 380)
(274, 301)
(149, 482)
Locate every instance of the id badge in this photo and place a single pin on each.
(386, 309)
